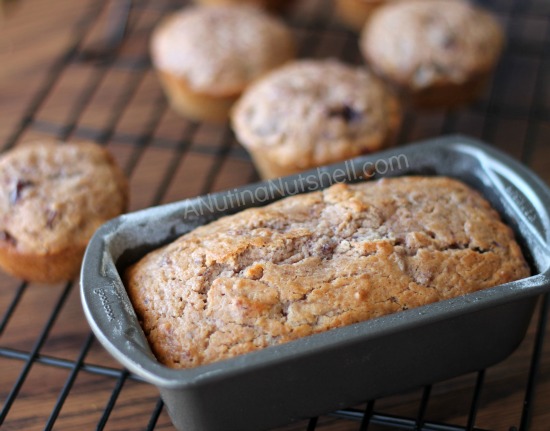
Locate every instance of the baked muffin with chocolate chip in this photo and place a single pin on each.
(53, 196)
(310, 113)
(440, 53)
(205, 56)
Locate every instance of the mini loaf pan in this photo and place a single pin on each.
(345, 366)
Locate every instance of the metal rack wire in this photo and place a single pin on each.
(525, 106)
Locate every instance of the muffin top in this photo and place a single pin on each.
(313, 112)
(420, 43)
(220, 49)
(54, 195)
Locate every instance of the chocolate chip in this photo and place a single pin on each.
(7, 237)
(50, 217)
(20, 185)
(449, 41)
(327, 249)
(346, 112)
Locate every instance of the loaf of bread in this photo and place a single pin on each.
(317, 261)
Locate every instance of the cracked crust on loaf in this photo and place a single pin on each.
(317, 261)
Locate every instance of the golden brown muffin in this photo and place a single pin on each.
(440, 53)
(317, 261)
(354, 13)
(206, 56)
(311, 113)
(271, 5)
(53, 196)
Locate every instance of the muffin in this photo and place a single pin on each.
(310, 113)
(206, 56)
(271, 5)
(354, 13)
(439, 53)
(317, 261)
(53, 196)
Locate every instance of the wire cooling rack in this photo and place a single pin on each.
(59, 377)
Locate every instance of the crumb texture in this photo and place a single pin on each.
(317, 261)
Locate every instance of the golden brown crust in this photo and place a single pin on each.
(354, 13)
(195, 105)
(443, 52)
(318, 261)
(450, 95)
(48, 268)
(53, 196)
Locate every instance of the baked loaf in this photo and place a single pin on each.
(53, 196)
(205, 56)
(310, 113)
(440, 53)
(317, 261)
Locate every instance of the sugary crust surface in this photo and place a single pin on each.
(53, 196)
(314, 112)
(318, 261)
(420, 43)
(219, 50)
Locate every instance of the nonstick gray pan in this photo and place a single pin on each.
(344, 366)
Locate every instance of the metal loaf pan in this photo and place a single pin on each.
(344, 366)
